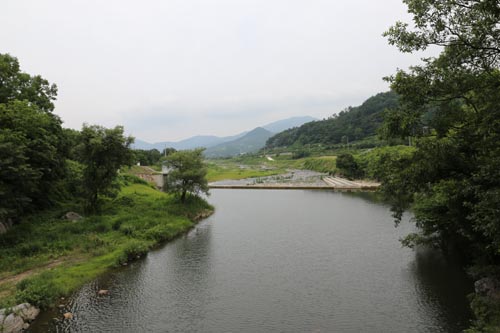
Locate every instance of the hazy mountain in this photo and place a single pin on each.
(209, 141)
(249, 143)
(189, 143)
(284, 124)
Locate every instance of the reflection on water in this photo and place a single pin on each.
(274, 261)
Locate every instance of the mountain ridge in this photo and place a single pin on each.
(208, 141)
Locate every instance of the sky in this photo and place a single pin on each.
(171, 69)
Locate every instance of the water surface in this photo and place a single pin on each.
(279, 261)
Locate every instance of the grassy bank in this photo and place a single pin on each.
(46, 257)
(260, 166)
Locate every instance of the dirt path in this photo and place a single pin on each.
(14, 279)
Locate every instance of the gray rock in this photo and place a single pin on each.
(72, 216)
(26, 311)
(3, 228)
(12, 324)
(487, 286)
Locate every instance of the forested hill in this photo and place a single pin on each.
(354, 123)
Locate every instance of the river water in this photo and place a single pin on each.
(279, 261)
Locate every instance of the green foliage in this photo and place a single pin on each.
(16, 85)
(103, 152)
(39, 291)
(326, 164)
(300, 154)
(348, 166)
(354, 123)
(450, 104)
(147, 157)
(31, 157)
(90, 246)
(187, 173)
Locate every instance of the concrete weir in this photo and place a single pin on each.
(330, 183)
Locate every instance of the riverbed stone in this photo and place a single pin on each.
(72, 216)
(12, 324)
(487, 286)
(68, 315)
(26, 311)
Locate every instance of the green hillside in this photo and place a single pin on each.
(249, 143)
(354, 123)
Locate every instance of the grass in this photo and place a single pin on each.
(240, 169)
(259, 166)
(58, 256)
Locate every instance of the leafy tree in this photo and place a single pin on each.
(147, 157)
(168, 151)
(31, 157)
(16, 85)
(451, 105)
(103, 152)
(348, 165)
(187, 173)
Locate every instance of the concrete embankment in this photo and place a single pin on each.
(329, 183)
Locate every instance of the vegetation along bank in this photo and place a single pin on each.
(67, 212)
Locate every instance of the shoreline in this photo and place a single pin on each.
(116, 243)
(294, 187)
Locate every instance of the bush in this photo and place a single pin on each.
(349, 167)
(39, 291)
(133, 250)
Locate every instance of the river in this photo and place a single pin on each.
(279, 261)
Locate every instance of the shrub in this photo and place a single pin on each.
(39, 291)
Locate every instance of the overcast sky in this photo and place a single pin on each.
(170, 69)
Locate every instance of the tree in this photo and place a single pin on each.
(103, 152)
(31, 157)
(187, 173)
(16, 85)
(348, 165)
(451, 105)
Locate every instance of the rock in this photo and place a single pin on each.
(12, 324)
(72, 216)
(3, 228)
(26, 326)
(103, 292)
(487, 286)
(68, 315)
(26, 311)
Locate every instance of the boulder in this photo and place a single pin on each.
(12, 324)
(26, 311)
(72, 216)
(5, 225)
(487, 286)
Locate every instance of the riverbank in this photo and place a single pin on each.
(46, 257)
(297, 180)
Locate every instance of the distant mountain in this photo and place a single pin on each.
(189, 143)
(281, 125)
(354, 123)
(249, 143)
(208, 141)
